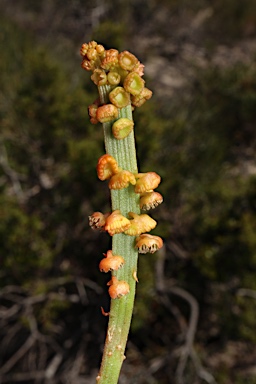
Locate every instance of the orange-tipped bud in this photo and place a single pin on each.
(139, 224)
(146, 243)
(147, 182)
(150, 200)
(98, 220)
(92, 110)
(133, 83)
(119, 97)
(106, 167)
(107, 113)
(87, 65)
(99, 77)
(139, 100)
(127, 60)
(116, 223)
(114, 78)
(111, 262)
(110, 61)
(121, 180)
(84, 49)
(122, 128)
(118, 288)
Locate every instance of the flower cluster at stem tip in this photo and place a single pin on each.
(123, 73)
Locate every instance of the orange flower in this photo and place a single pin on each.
(147, 182)
(106, 167)
(146, 243)
(111, 262)
(116, 223)
(118, 288)
(98, 220)
(139, 224)
(121, 180)
(150, 200)
(107, 113)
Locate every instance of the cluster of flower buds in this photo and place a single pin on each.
(122, 73)
(137, 224)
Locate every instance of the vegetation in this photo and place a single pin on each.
(200, 138)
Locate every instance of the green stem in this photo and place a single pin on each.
(126, 200)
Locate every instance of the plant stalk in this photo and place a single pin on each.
(126, 200)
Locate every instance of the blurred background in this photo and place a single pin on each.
(194, 318)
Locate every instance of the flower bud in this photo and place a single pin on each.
(150, 200)
(92, 110)
(116, 223)
(121, 180)
(107, 113)
(106, 167)
(146, 243)
(113, 78)
(111, 262)
(98, 220)
(139, 100)
(84, 49)
(119, 97)
(147, 182)
(139, 224)
(127, 60)
(99, 77)
(118, 288)
(122, 128)
(133, 83)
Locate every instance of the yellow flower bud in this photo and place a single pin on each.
(146, 182)
(139, 100)
(99, 77)
(133, 83)
(107, 113)
(139, 224)
(119, 97)
(116, 223)
(121, 180)
(127, 60)
(107, 166)
(113, 78)
(122, 128)
(146, 243)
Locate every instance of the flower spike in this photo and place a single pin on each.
(106, 167)
(116, 223)
(118, 288)
(121, 180)
(146, 243)
(139, 224)
(111, 262)
(147, 182)
(150, 200)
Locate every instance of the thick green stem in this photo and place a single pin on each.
(126, 200)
